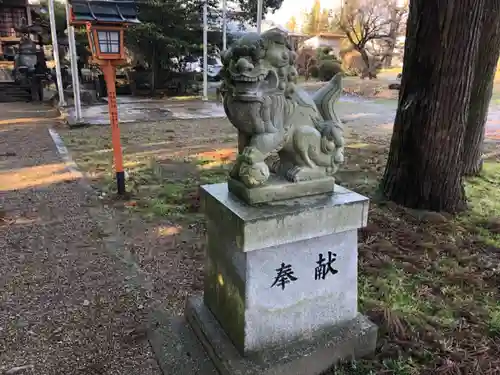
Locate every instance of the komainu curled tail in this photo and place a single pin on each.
(332, 133)
(326, 97)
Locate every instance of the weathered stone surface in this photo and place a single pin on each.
(177, 349)
(256, 314)
(309, 356)
(282, 222)
(279, 189)
(247, 246)
(282, 131)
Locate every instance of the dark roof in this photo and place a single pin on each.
(17, 3)
(113, 11)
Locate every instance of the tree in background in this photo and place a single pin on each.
(425, 164)
(174, 28)
(482, 88)
(311, 24)
(398, 13)
(324, 21)
(249, 8)
(370, 28)
(168, 29)
(292, 24)
(59, 15)
(318, 20)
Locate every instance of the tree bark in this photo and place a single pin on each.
(368, 68)
(482, 88)
(424, 168)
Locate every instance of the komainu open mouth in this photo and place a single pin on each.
(248, 78)
(248, 87)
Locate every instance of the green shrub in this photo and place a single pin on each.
(326, 53)
(326, 50)
(329, 58)
(314, 71)
(328, 69)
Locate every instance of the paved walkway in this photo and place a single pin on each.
(67, 306)
(138, 109)
(376, 115)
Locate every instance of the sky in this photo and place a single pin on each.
(294, 7)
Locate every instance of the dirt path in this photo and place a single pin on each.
(67, 306)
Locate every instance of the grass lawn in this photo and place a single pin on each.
(165, 162)
(428, 280)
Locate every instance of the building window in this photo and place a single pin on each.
(11, 18)
(6, 23)
(19, 16)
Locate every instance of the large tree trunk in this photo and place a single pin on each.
(482, 88)
(424, 168)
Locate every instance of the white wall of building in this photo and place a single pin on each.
(320, 42)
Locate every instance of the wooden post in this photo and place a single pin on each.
(109, 76)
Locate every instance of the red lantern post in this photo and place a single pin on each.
(107, 50)
(106, 21)
(109, 72)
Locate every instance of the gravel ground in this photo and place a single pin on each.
(167, 248)
(67, 305)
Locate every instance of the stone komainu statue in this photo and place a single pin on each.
(281, 129)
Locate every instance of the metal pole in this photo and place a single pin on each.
(259, 15)
(205, 50)
(28, 13)
(74, 73)
(74, 67)
(55, 51)
(224, 25)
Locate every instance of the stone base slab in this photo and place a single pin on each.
(176, 348)
(279, 189)
(308, 356)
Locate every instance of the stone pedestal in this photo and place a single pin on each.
(281, 284)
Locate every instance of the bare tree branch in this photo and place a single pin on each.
(372, 27)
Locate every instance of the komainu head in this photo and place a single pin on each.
(259, 65)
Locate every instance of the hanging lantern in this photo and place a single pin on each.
(105, 21)
(106, 41)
